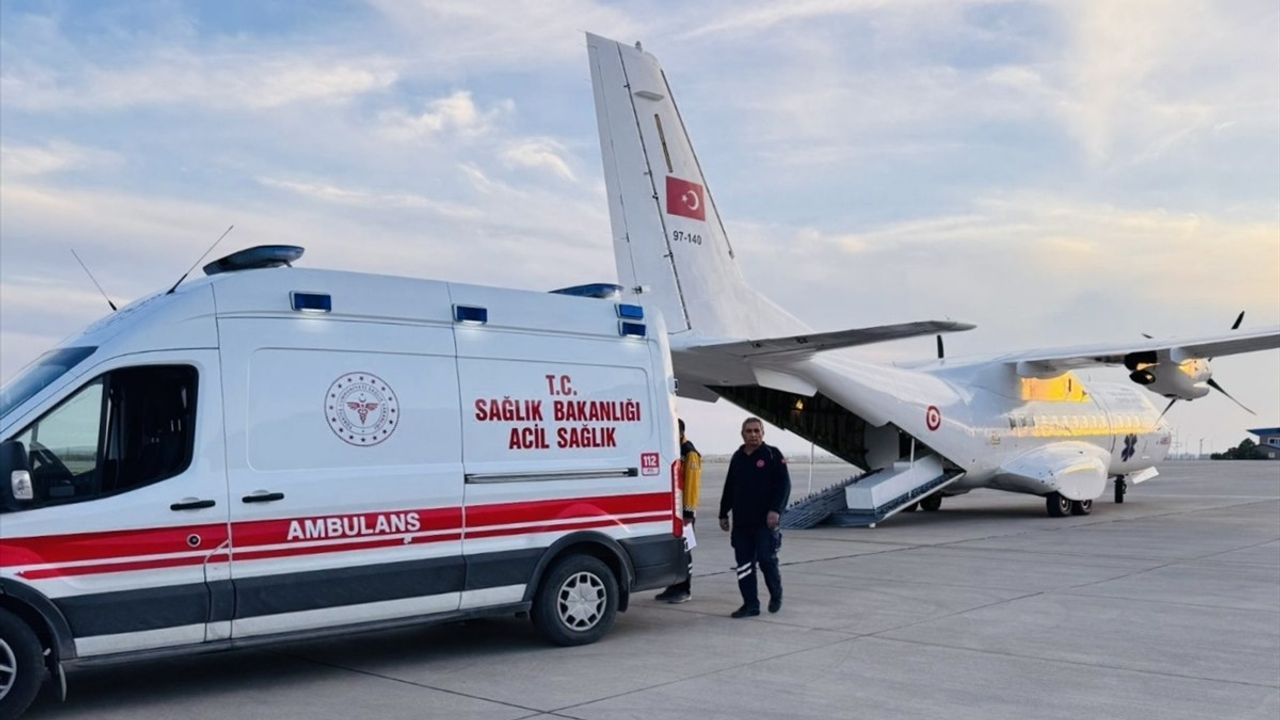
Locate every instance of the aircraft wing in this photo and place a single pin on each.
(1175, 349)
(808, 343)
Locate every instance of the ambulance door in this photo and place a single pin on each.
(560, 438)
(345, 471)
(130, 504)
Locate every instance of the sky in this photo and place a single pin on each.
(1056, 172)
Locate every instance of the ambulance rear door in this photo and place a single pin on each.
(559, 434)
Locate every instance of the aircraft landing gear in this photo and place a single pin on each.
(1057, 505)
(931, 503)
(1081, 507)
(1121, 487)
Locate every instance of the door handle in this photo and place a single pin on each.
(192, 504)
(262, 496)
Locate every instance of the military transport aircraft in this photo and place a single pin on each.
(1021, 421)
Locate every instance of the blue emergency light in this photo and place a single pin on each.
(310, 302)
(630, 312)
(631, 329)
(470, 314)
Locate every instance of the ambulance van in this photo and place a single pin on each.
(273, 452)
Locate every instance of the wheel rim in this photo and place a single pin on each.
(1064, 505)
(581, 601)
(1086, 505)
(8, 669)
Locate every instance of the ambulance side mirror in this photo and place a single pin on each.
(16, 489)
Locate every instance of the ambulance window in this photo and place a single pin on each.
(150, 414)
(128, 428)
(62, 447)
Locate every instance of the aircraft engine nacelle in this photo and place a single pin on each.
(1186, 380)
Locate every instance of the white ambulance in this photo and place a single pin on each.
(273, 452)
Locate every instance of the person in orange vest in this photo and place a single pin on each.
(691, 462)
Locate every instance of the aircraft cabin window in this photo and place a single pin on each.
(125, 429)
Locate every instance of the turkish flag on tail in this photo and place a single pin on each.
(685, 199)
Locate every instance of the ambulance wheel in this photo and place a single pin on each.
(1081, 507)
(577, 601)
(932, 503)
(1057, 505)
(21, 665)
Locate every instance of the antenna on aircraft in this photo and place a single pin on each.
(197, 262)
(94, 280)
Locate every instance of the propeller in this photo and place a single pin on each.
(1214, 384)
(1211, 382)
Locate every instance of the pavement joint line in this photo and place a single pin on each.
(850, 638)
(772, 620)
(1200, 606)
(1246, 547)
(1096, 522)
(370, 673)
(1165, 565)
(905, 581)
(936, 618)
(1063, 661)
(795, 563)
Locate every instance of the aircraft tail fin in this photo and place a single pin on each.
(670, 246)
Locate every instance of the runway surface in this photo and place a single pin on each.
(1167, 606)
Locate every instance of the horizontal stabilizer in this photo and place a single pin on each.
(818, 342)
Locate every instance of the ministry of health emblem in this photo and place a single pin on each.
(361, 409)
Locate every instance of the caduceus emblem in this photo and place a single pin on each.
(363, 409)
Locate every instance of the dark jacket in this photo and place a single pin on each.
(755, 484)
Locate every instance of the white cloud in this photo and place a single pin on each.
(364, 198)
(540, 154)
(515, 34)
(456, 114)
(24, 161)
(177, 76)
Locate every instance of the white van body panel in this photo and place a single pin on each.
(347, 465)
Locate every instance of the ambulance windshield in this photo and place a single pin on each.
(39, 374)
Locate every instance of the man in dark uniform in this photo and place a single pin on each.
(756, 490)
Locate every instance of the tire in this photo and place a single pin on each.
(1120, 490)
(912, 507)
(577, 601)
(1057, 505)
(932, 503)
(1081, 507)
(22, 668)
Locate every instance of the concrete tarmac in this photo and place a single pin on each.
(1166, 606)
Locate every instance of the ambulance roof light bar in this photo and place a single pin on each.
(261, 256)
(601, 291)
